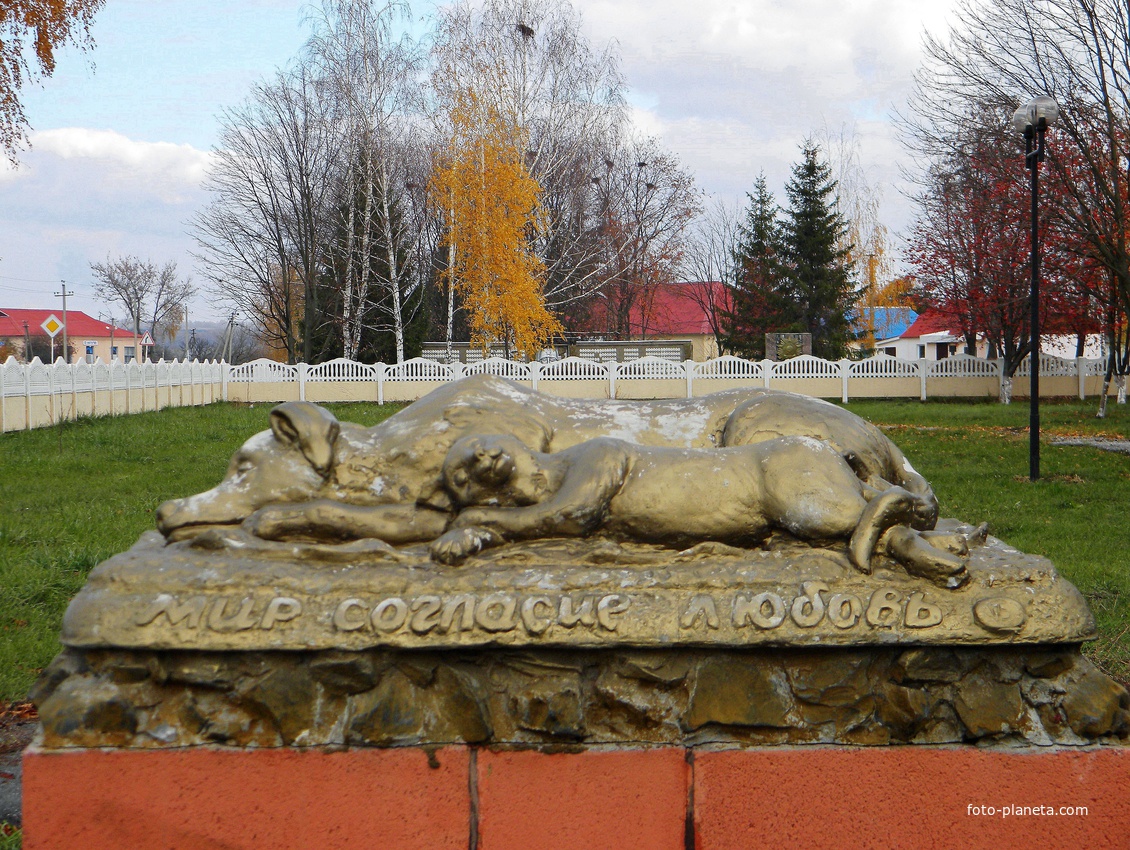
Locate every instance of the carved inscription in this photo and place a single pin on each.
(494, 612)
(815, 605)
(886, 608)
(221, 613)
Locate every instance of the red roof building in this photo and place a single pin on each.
(931, 336)
(88, 337)
(682, 311)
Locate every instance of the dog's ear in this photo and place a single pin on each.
(314, 429)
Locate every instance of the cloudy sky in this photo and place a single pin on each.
(731, 86)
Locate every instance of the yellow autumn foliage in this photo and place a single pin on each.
(492, 207)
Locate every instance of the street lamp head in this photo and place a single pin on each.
(1045, 108)
(1039, 111)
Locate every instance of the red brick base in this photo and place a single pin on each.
(647, 798)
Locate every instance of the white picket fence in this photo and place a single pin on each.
(36, 394)
(881, 376)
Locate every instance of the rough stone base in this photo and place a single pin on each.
(1040, 695)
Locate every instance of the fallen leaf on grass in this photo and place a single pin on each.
(18, 711)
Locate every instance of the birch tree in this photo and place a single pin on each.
(372, 70)
(865, 239)
(530, 58)
(492, 203)
(34, 28)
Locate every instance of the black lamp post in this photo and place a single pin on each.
(1032, 121)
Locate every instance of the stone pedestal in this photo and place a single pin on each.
(234, 693)
(152, 699)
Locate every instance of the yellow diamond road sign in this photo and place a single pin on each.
(52, 325)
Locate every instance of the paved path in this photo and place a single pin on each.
(15, 735)
(1121, 446)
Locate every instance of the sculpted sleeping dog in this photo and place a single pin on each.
(312, 477)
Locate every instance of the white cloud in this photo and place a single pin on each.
(80, 195)
(167, 170)
(735, 86)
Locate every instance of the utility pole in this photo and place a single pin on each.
(110, 324)
(66, 346)
(136, 330)
(231, 330)
(186, 332)
(27, 344)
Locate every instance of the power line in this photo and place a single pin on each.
(27, 279)
(4, 288)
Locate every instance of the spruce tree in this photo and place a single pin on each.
(816, 284)
(756, 303)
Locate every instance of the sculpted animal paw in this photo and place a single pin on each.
(457, 545)
(272, 523)
(924, 514)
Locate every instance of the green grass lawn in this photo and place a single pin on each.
(74, 494)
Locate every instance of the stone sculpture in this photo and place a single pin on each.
(508, 492)
(347, 586)
(313, 476)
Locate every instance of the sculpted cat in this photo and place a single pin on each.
(506, 492)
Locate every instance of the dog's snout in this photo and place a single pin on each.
(164, 512)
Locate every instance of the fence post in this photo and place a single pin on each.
(612, 376)
(27, 396)
(535, 374)
(688, 367)
(302, 368)
(923, 368)
(845, 366)
(1081, 372)
(766, 370)
(381, 367)
(74, 392)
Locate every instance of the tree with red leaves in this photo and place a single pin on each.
(969, 248)
(1077, 52)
